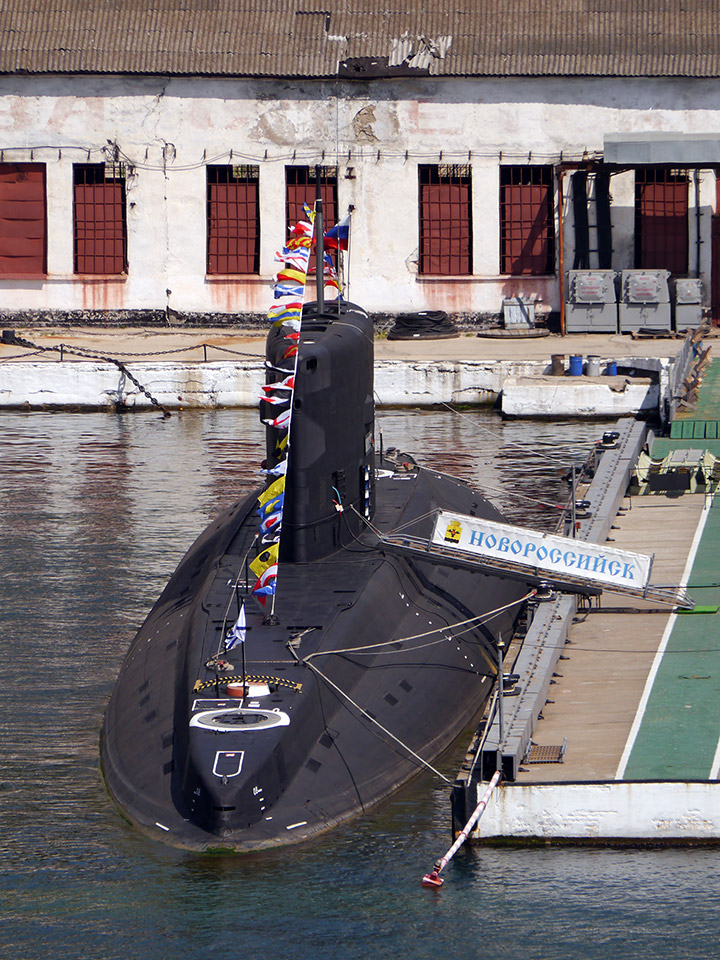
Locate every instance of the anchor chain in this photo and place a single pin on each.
(9, 336)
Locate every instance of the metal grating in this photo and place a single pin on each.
(301, 189)
(233, 220)
(661, 219)
(527, 225)
(445, 220)
(300, 186)
(546, 754)
(99, 228)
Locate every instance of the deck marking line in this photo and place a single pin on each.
(715, 767)
(632, 736)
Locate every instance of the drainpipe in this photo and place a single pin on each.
(698, 240)
(561, 251)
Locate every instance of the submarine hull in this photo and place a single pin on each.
(363, 670)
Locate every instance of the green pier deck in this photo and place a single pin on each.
(679, 733)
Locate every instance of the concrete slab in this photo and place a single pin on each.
(221, 367)
(543, 396)
(655, 812)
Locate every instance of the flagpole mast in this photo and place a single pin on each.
(347, 256)
(237, 594)
(319, 244)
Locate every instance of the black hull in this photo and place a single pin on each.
(365, 667)
(331, 761)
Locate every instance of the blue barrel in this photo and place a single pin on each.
(576, 365)
(611, 369)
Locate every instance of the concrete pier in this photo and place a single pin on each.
(224, 368)
(625, 742)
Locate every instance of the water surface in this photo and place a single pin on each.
(96, 511)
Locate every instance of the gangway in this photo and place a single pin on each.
(545, 560)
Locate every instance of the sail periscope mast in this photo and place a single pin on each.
(358, 665)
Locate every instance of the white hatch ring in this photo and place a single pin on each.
(239, 720)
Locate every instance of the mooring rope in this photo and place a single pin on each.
(377, 723)
(474, 621)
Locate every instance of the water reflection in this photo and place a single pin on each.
(96, 511)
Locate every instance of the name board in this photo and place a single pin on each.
(542, 551)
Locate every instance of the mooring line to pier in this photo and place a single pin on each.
(473, 621)
(377, 723)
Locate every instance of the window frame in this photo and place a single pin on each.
(100, 242)
(21, 247)
(232, 246)
(445, 227)
(662, 194)
(528, 243)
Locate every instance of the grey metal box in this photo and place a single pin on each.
(688, 303)
(592, 303)
(518, 312)
(644, 300)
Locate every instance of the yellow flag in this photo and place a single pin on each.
(275, 488)
(291, 273)
(264, 560)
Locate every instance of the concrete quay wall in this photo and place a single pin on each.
(96, 384)
(662, 811)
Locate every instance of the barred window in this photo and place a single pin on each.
(23, 219)
(301, 189)
(99, 226)
(527, 224)
(233, 220)
(661, 219)
(445, 219)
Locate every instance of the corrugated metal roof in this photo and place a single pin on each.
(362, 38)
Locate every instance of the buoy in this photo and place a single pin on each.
(432, 879)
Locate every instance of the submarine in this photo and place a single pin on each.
(285, 682)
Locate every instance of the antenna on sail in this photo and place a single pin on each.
(319, 244)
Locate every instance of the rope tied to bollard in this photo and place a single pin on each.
(433, 879)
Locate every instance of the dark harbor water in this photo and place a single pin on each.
(96, 510)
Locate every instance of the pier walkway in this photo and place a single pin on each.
(638, 691)
(626, 737)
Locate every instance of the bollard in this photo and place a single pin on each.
(558, 365)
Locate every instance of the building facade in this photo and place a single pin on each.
(144, 193)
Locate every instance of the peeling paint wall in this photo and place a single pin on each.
(376, 132)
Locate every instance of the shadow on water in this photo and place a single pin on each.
(96, 512)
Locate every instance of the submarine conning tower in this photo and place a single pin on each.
(330, 474)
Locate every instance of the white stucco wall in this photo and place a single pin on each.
(377, 133)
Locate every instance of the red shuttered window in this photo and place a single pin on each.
(661, 219)
(301, 189)
(100, 231)
(527, 225)
(23, 231)
(445, 220)
(233, 220)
